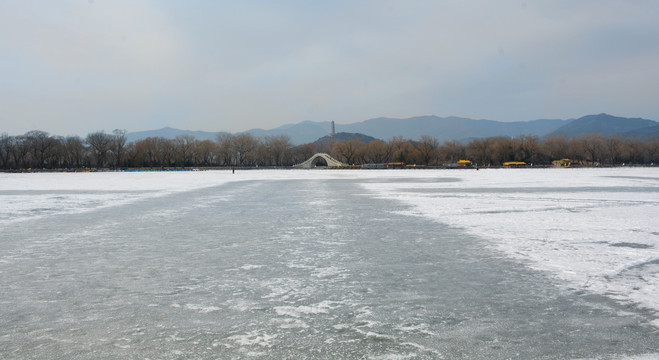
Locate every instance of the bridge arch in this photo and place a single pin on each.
(311, 162)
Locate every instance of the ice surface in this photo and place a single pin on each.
(597, 229)
(380, 264)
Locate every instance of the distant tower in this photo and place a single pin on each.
(333, 131)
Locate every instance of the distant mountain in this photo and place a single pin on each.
(605, 124)
(300, 133)
(450, 128)
(443, 129)
(344, 136)
(645, 133)
(171, 133)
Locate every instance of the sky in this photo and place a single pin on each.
(71, 67)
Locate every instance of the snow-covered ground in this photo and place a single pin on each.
(594, 229)
(32, 195)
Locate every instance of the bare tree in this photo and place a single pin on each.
(592, 146)
(502, 150)
(529, 148)
(452, 151)
(39, 142)
(56, 155)
(633, 151)
(118, 146)
(555, 148)
(146, 152)
(225, 149)
(100, 143)
(301, 153)
(208, 152)
(652, 149)
(427, 147)
(243, 146)
(5, 144)
(166, 151)
(378, 151)
(480, 150)
(401, 149)
(18, 148)
(276, 148)
(613, 146)
(184, 147)
(346, 151)
(76, 151)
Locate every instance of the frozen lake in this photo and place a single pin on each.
(407, 264)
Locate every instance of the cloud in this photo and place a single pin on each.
(77, 66)
(80, 63)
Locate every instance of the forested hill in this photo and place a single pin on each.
(343, 136)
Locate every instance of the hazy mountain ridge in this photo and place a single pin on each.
(645, 133)
(443, 129)
(300, 133)
(450, 128)
(604, 124)
(171, 133)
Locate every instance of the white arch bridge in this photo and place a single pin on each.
(312, 161)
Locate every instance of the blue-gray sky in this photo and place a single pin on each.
(76, 66)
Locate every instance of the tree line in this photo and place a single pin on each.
(100, 150)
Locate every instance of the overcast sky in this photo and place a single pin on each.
(72, 67)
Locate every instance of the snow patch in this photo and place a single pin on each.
(322, 307)
(202, 308)
(254, 338)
